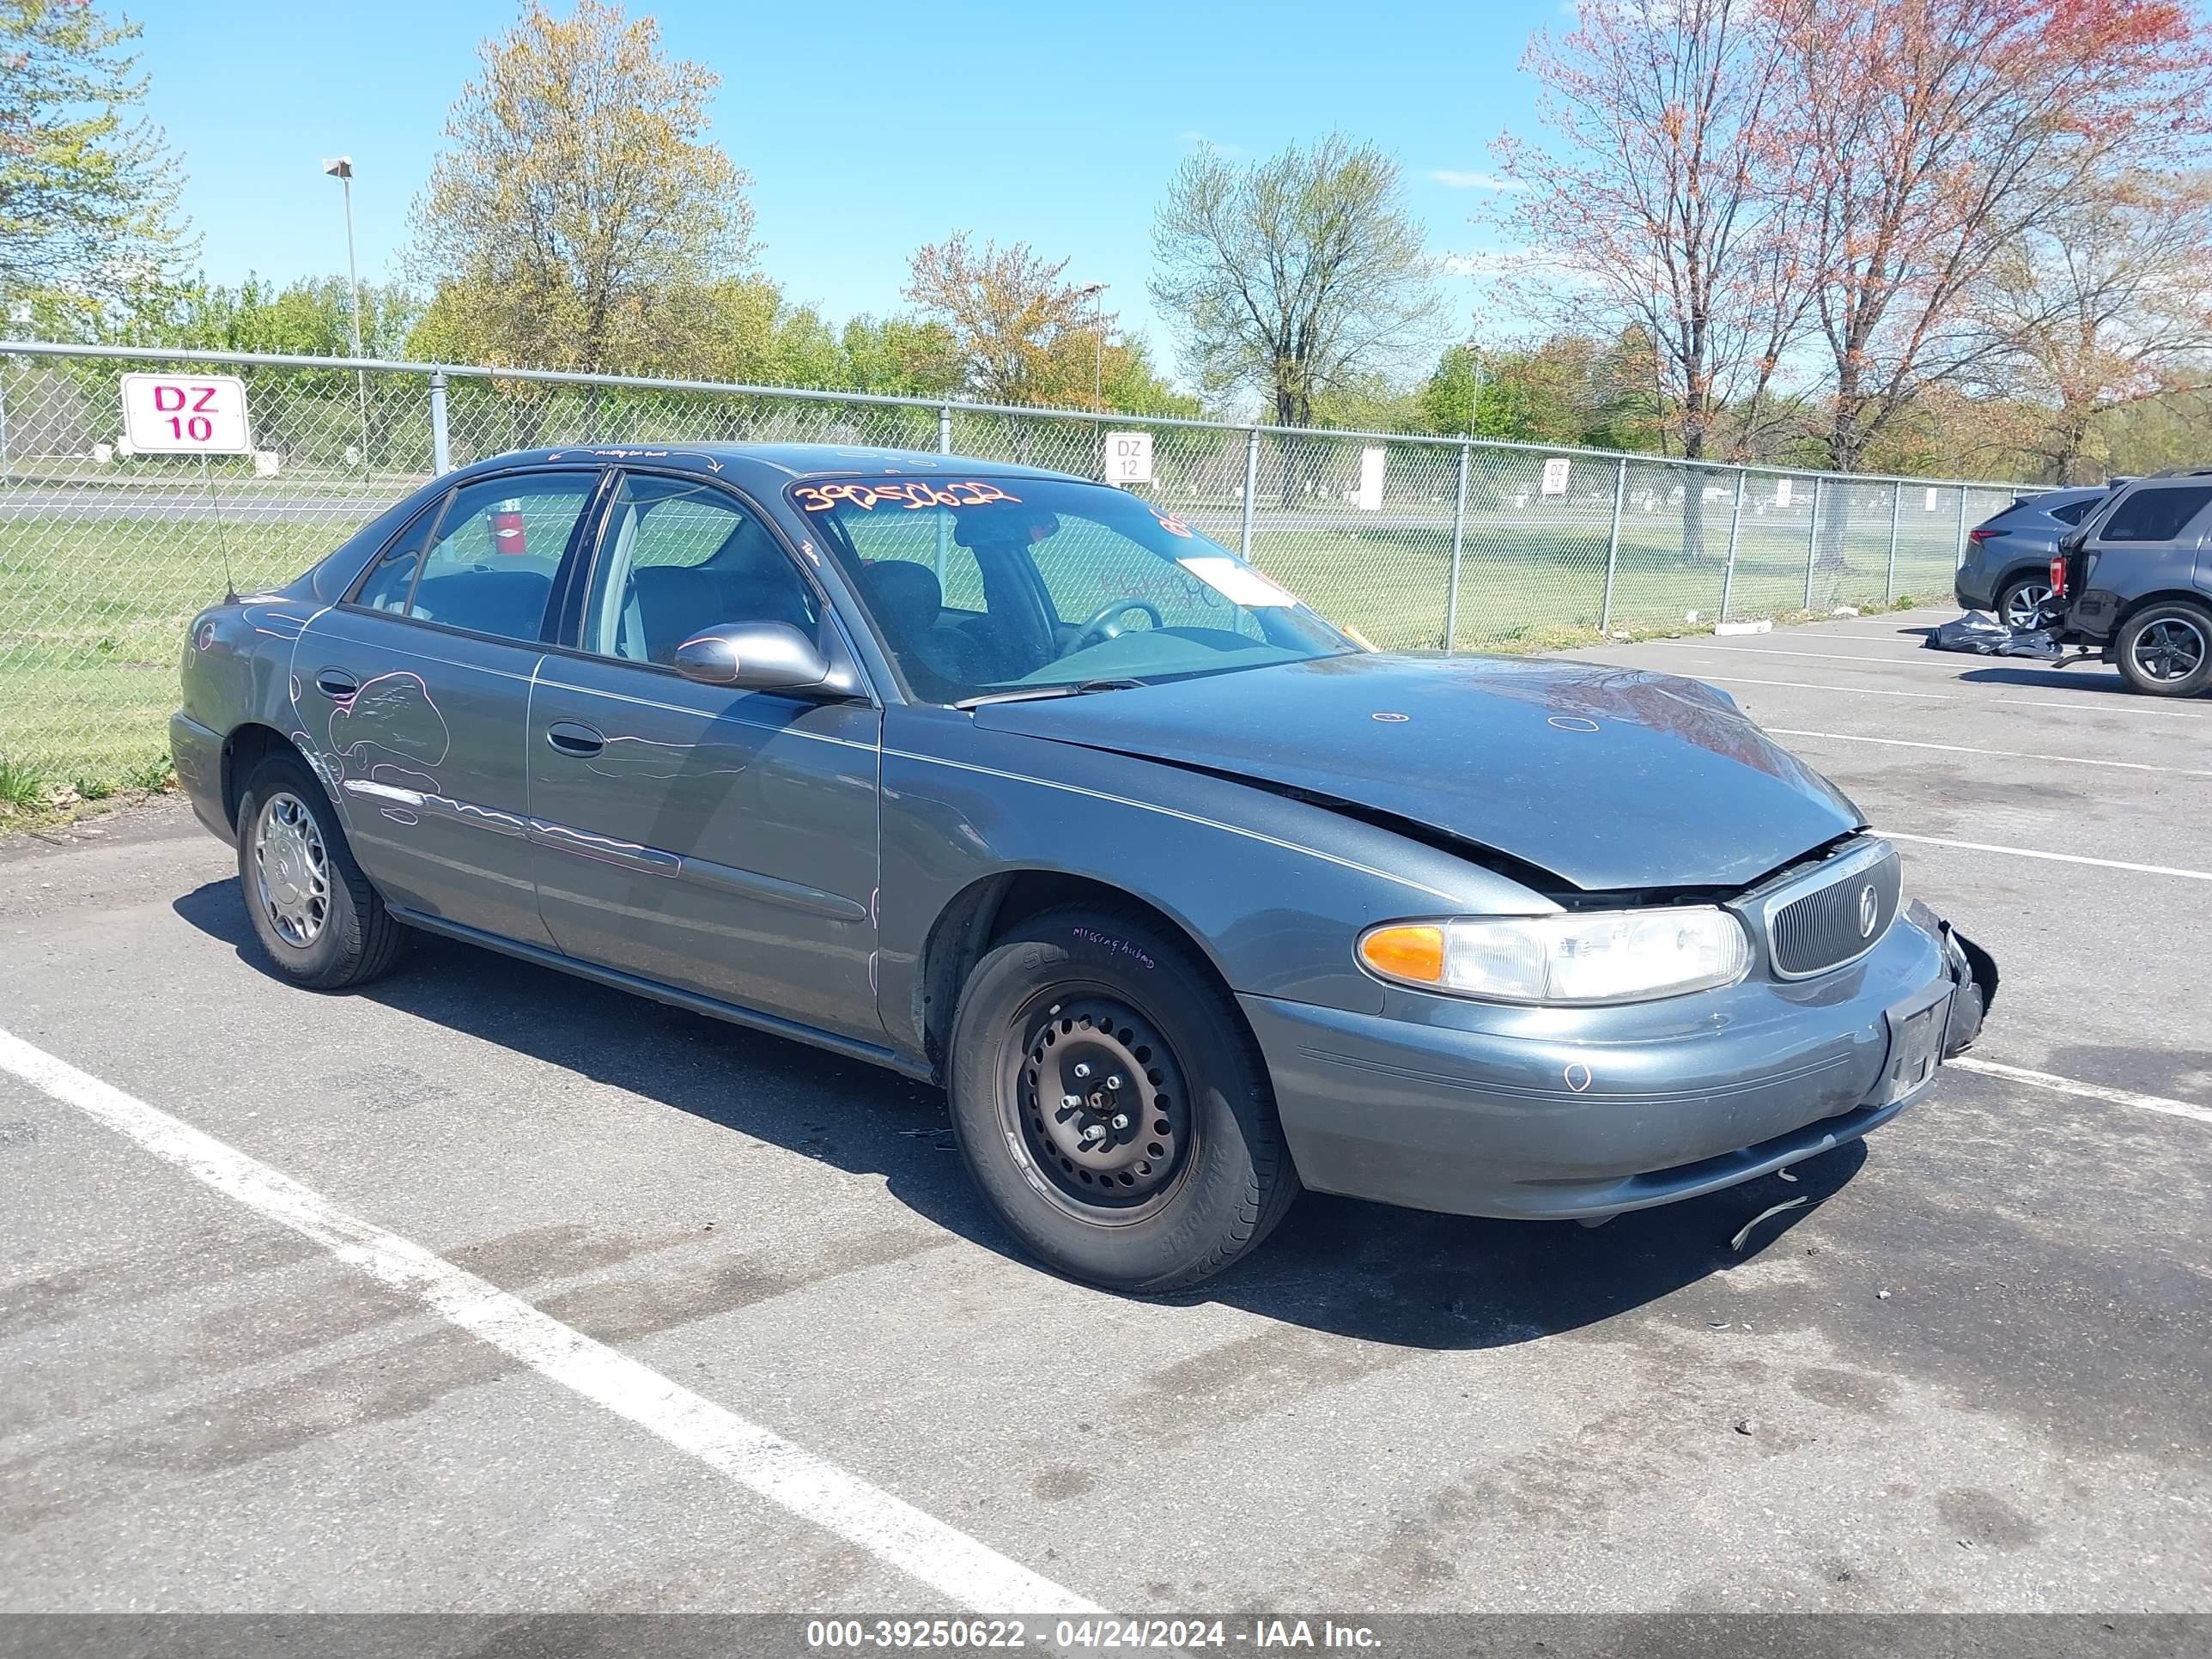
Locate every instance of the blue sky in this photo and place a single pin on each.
(868, 128)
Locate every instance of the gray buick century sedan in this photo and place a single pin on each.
(1018, 783)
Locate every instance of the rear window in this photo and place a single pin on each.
(2156, 515)
(2075, 512)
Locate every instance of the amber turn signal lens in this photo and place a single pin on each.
(1414, 952)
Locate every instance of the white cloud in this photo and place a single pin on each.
(1453, 178)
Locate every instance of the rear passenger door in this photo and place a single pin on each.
(413, 695)
(720, 841)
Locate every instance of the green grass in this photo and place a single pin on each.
(93, 613)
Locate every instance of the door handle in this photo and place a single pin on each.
(336, 684)
(573, 737)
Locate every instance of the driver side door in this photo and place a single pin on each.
(720, 841)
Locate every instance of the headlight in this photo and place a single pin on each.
(1585, 957)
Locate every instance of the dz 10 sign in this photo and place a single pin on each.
(185, 415)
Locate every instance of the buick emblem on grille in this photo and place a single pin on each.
(1870, 911)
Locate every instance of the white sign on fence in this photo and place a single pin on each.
(1369, 497)
(1930, 507)
(185, 415)
(1128, 457)
(1781, 492)
(1555, 476)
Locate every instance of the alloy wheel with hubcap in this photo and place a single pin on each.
(291, 869)
(2022, 605)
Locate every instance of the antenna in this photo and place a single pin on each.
(221, 541)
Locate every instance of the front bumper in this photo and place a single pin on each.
(1554, 1113)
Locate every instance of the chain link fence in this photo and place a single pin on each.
(1417, 544)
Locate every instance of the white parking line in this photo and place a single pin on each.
(1938, 697)
(2116, 705)
(2054, 858)
(2067, 1085)
(1999, 753)
(1808, 685)
(970, 1573)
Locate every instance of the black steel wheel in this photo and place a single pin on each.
(1111, 1103)
(1098, 1096)
(2166, 649)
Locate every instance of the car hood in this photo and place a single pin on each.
(1607, 777)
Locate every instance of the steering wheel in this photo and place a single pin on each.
(1101, 622)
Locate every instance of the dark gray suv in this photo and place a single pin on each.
(2007, 567)
(2137, 583)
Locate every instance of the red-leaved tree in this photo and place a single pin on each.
(1934, 136)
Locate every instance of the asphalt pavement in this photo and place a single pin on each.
(1970, 1375)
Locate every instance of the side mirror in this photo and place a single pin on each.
(755, 657)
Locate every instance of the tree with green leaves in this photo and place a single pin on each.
(1293, 277)
(88, 187)
(578, 201)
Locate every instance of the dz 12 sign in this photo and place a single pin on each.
(1128, 457)
(185, 415)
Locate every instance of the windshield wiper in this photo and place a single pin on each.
(1081, 689)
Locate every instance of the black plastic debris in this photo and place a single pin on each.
(1985, 636)
(1973, 632)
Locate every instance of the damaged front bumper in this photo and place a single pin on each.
(1476, 1108)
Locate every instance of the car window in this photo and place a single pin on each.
(2155, 515)
(2074, 512)
(923, 538)
(679, 556)
(489, 567)
(985, 586)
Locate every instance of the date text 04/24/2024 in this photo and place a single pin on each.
(1099, 1634)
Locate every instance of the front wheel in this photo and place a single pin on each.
(1112, 1105)
(2166, 649)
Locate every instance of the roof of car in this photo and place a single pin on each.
(770, 464)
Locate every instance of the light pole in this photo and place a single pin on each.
(340, 167)
(1090, 291)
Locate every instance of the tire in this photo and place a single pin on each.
(2164, 650)
(320, 924)
(2017, 600)
(1143, 1208)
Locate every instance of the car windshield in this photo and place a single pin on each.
(984, 587)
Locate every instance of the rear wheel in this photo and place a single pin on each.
(2021, 601)
(2166, 649)
(1112, 1105)
(319, 920)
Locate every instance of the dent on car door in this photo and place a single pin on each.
(413, 698)
(717, 840)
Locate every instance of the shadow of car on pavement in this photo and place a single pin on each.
(1356, 1269)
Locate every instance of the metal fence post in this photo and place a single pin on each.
(1251, 488)
(441, 452)
(1735, 524)
(944, 519)
(1613, 546)
(1958, 549)
(1459, 540)
(1896, 504)
(1813, 545)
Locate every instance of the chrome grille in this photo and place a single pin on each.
(1840, 920)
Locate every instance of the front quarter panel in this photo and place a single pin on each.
(1274, 891)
